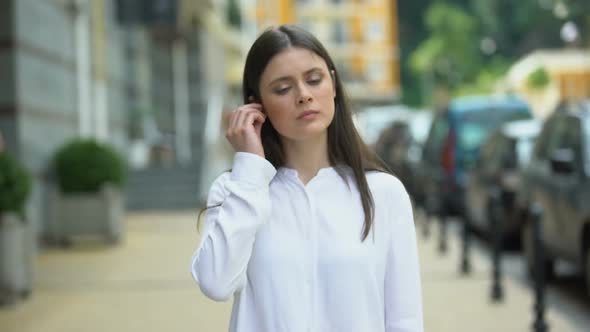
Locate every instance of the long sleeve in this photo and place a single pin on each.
(243, 206)
(403, 294)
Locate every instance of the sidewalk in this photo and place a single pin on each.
(453, 302)
(145, 285)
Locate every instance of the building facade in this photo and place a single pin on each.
(361, 35)
(88, 68)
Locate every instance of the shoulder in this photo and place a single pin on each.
(385, 185)
(249, 172)
(218, 190)
(390, 197)
(221, 179)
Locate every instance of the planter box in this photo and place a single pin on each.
(87, 214)
(17, 254)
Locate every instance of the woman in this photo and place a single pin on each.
(307, 231)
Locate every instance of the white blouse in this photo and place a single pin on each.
(292, 257)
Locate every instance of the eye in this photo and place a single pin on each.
(282, 90)
(314, 80)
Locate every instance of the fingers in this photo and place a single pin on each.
(244, 128)
(242, 117)
(234, 118)
(251, 118)
(239, 119)
(254, 118)
(258, 121)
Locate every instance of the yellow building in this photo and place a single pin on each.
(361, 36)
(569, 73)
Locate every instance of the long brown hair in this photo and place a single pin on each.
(345, 146)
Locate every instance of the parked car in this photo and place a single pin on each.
(558, 179)
(419, 124)
(496, 176)
(371, 121)
(453, 145)
(400, 147)
(392, 147)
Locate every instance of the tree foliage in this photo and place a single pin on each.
(15, 185)
(538, 79)
(449, 54)
(85, 165)
(460, 43)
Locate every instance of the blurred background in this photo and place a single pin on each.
(111, 132)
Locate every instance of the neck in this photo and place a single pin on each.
(307, 157)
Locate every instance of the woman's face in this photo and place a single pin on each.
(298, 93)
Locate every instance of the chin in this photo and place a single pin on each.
(308, 133)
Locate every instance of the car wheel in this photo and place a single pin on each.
(528, 251)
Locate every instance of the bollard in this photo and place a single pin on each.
(495, 209)
(442, 241)
(465, 262)
(539, 324)
(430, 209)
(426, 224)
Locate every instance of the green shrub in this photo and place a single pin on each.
(538, 79)
(15, 185)
(84, 165)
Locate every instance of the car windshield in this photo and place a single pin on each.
(477, 125)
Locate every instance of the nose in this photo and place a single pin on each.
(304, 96)
(303, 100)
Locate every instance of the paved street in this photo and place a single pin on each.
(145, 285)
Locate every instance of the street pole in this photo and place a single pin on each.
(497, 293)
(465, 262)
(539, 324)
(426, 224)
(442, 244)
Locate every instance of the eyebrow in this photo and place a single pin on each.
(285, 78)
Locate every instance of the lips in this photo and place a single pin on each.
(307, 114)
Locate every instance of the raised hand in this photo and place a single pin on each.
(245, 125)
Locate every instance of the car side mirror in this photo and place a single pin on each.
(563, 161)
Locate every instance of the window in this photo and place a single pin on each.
(471, 135)
(565, 134)
(476, 125)
(339, 32)
(507, 153)
(573, 140)
(557, 137)
(499, 154)
(487, 150)
(375, 31)
(376, 71)
(541, 150)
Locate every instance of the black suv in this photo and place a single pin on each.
(558, 179)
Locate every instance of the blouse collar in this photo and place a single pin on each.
(323, 173)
